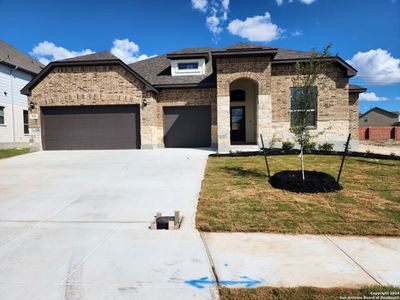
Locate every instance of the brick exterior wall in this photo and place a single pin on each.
(379, 133)
(333, 94)
(337, 112)
(188, 97)
(85, 85)
(363, 133)
(353, 115)
(258, 71)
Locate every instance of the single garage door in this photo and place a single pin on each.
(187, 126)
(91, 127)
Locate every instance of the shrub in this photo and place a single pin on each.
(396, 124)
(287, 145)
(326, 147)
(309, 146)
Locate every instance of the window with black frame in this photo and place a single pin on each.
(26, 122)
(1, 115)
(301, 103)
(238, 95)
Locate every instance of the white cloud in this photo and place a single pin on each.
(371, 97)
(213, 24)
(216, 11)
(397, 98)
(307, 1)
(127, 51)
(297, 33)
(376, 67)
(256, 29)
(279, 2)
(48, 51)
(200, 5)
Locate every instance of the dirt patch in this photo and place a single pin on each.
(315, 182)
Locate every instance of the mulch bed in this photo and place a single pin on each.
(315, 182)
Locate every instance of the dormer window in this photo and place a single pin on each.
(184, 67)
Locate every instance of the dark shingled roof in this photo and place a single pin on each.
(353, 88)
(104, 55)
(15, 58)
(246, 46)
(193, 50)
(284, 54)
(157, 71)
(381, 110)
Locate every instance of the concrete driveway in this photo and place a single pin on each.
(73, 225)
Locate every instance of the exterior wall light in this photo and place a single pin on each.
(32, 105)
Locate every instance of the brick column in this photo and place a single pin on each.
(149, 130)
(264, 118)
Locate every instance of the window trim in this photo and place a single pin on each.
(175, 71)
(315, 110)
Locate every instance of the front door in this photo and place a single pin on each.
(238, 121)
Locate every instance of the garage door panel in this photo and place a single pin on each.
(91, 127)
(187, 126)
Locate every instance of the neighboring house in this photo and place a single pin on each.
(378, 117)
(195, 97)
(16, 70)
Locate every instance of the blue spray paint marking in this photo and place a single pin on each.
(203, 281)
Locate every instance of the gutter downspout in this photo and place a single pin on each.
(12, 101)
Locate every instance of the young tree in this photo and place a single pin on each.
(307, 75)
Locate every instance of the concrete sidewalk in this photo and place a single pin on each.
(280, 260)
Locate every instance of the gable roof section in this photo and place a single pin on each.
(286, 56)
(353, 88)
(15, 58)
(157, 70)
(100, 58)
(382, 111)
(244, 49)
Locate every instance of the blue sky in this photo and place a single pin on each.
(365, 32)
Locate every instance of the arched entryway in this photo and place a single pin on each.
(243, 111)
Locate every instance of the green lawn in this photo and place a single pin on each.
(4, 153)
(267, 293)
(236, 196)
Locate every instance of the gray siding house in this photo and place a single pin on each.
(16, 70)
(378, 117)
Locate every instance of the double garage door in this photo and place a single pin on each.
(91, 127)
(118, 127)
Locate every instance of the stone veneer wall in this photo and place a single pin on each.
(187, 97)
(353, 115)
(257, 69)
(87, 85)
(335, 109)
